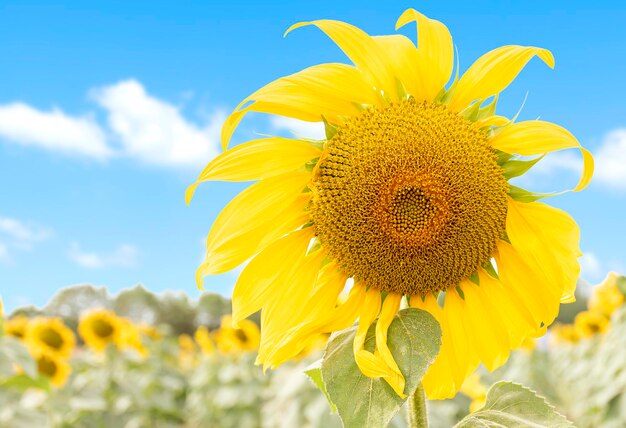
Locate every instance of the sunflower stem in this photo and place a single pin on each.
(417, 415)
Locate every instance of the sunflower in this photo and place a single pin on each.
(408, 195)
(16, 326)
(564, 333)
(49, 334)
(130, 337)
(100, 328)
(590, 323)
(52, 366)
(244, 338)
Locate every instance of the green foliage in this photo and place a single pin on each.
(414, 338)
(514, 406)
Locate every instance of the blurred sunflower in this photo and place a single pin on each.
(590, 323)
(474, 389)
(52, 366)
(16, 326)
(130, 337)
(607, 297)
(564, 333)
(204, 341)
(100, 328)
(408, 195)
(49, 334)
(242, 339)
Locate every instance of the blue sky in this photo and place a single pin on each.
(109, 109)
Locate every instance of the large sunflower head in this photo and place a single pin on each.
(408, 195)
(52, 366)
(100, 328)
(49, 334)
(16, 326)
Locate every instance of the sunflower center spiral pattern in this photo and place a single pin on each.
(409, 198)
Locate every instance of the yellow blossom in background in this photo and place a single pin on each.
(589, 323)
(187, 358)
(130, 337)
(16, 326)
(52, 366)
(564, 333)
(100, 328)
(409, 195)
(607, 297)
(242, 339)
(476, 390)
(149, 331)
(49, 334)
(204, 341)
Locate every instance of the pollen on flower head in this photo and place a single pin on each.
(409, 198)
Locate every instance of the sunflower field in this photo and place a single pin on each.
(399, 269)
(122, 362)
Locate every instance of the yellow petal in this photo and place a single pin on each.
(369, 365)
(237, 248)
(277, 314)
(362, 50)
(535, 137)
(493, 72)
(538, 295)
(494, 120)
(435, 54)
(306, 324)
(254, 206)
(404, 60)
(389, 310)
(329, 91)
(548, 239)
(256, 160)
(264, 276)
(516, 318)
(462, 356)
(490, 337)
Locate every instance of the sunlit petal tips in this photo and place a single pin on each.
(408, 195)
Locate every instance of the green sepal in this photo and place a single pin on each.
(509, 404)
(311, 164)
(515, 168)
(474, 278)
(491, 270)
(523, 195)
(502, 157)
(331, 130)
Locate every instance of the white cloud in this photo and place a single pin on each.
(611, 160)
(154, 131)
(299, 128)
(590, 267)
(123, 256)
(52, 130)
(17, 235)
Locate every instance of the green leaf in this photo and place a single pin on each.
(515, 168)
(24, 382)
(314, 372)
(512, 405)
(414, 339)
